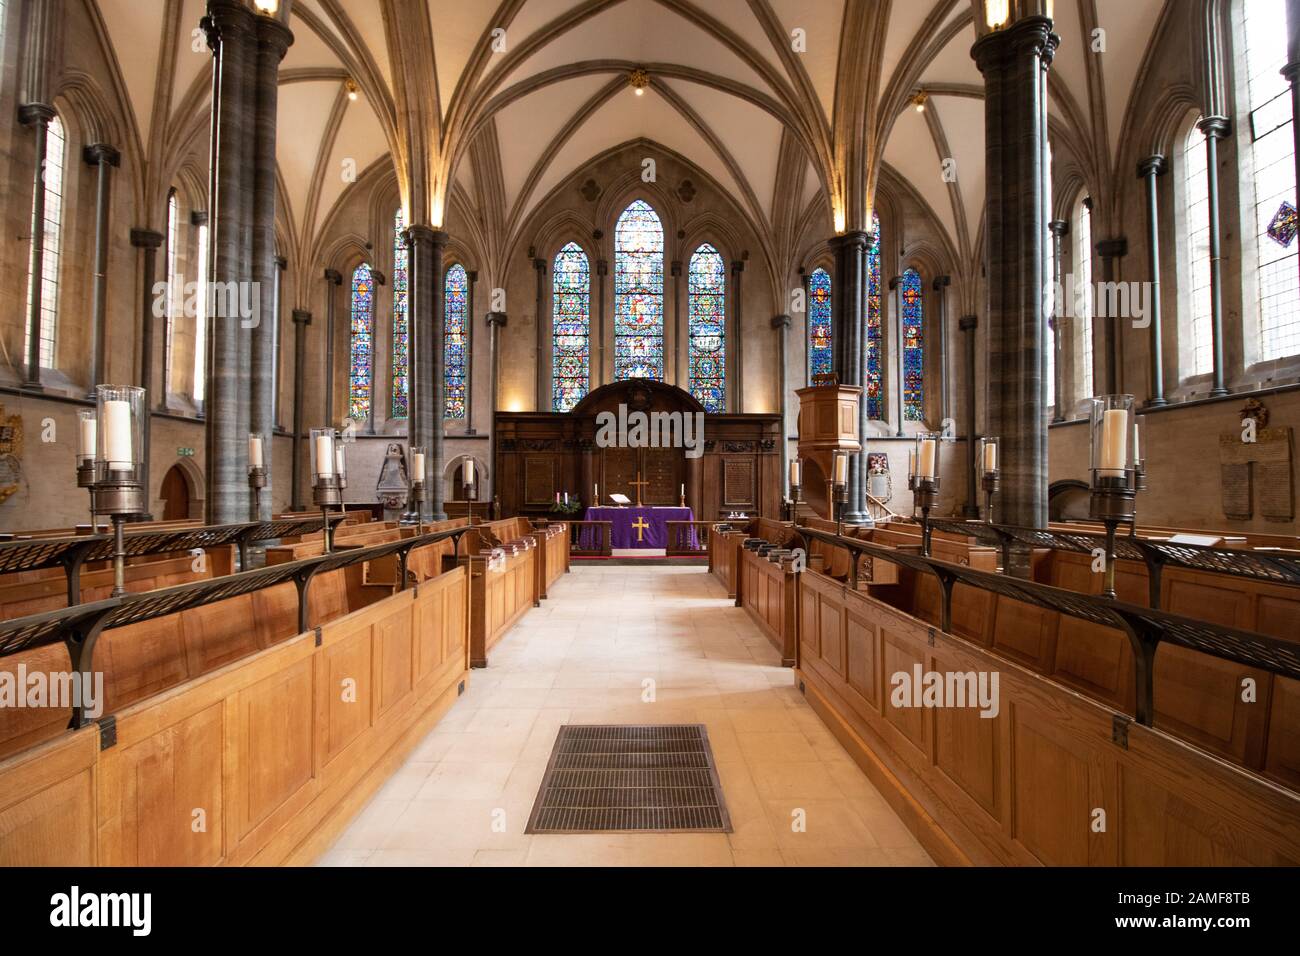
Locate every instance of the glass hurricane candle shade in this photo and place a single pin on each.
(840, 467)
(323, 461)
(1113, 437)
(118, 433)
(926, 466)
(415, 463)
(988, 461)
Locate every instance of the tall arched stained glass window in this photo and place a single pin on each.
(819, 323)
(874, 378)
(455, 338)
(46, 285)
(913, 348)
(570, 327)
(639, 293)
(401, 328)
(362, 368)
(707, 328)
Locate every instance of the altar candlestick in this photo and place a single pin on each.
(88, 426)
(1114, 441)
(926, 464)
(255, 459)
(990, 458)
(469, 471)
(117, 436)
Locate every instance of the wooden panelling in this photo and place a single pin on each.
(1200, 698)
(860, 657)
(47, 803)
(141, 660)
(274, 729)
(394, 653)
(1025, 633)
(901, 656)
(219, 633)
(1055, 789)
(967, 749)
(1192, 595)
(1282, 761)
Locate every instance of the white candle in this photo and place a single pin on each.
(340, 462)
(841, 469)
(595, 494)
(1114, 443)
(1137, 432)
(117, 435)
(324, 455)
(927, 459)
(990, 458)
(566, 497)
(911, 461)
(683, 491)
(794, 472)
(254, 451)
(88, 432)
(418, 465)
(469, 473)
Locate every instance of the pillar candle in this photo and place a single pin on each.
(683, 491)
(340, 462)
(990, 458)
(841, 469)
(418, 466)
(255, 451)
(926, 465)
(911, 461)
(469, 471)
(1114, 443)
(117, 436)
(794, 472)
(324, 456)
(566, 497)
(595, 494)
(88, 432)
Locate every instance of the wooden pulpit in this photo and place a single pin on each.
(828, 422)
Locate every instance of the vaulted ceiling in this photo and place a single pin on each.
(736, 86)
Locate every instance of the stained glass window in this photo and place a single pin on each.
(401, 329)
(913, 348)
(571, 327)
(707, 328)
(819, 323)
(639, 293)
(361, 371)
(46, 285)
(875, 382)
(456, 340)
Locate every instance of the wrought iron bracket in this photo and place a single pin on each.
(107, 732)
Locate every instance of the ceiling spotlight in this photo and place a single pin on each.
(919, 101)
(351, 87)
(638, 79)
(268, 7)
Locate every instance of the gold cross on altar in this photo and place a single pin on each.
(640, 524)
(638, 483)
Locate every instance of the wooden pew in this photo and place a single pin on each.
(552, 553)
(268, 747)
(503, 590)
(769, 591)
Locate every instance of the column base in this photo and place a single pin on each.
(860, 518)
(1218, 392)
(1155, 403)
(971, 512)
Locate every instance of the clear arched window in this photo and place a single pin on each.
(1082, 229)
(46, 285)
(201, 315)
(1273, 159)
(455, 340)
(874, 379)
(707, 325)
(174, 294)
(913, 347)
(639, 293)
(1196, 203)
(401, 328)
(570, 327)
(819, 323)
(361, 369)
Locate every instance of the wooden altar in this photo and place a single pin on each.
(541, 453)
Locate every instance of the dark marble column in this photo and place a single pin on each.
(281, 263)
(301, 319)
(968, 324)
(940, 286)
(675, 373)
(428, 358)
(848, 337)
(272, 40)
(598, 372)
(104, 159)
(230, 30)
(1111, 251)
(738, 335)
(542, 361)
(1215, 128)
(1148, 170)
(469, 355)
(333, 279)
(1014, 62)
(1059, 228)
(147, 241)
(896, 293)
(38, 117)
(496, 322)
(781, 325)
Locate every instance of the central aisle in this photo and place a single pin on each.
(586, 656)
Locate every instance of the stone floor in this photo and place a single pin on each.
(606, 638)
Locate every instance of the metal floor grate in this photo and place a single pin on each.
(648, 777)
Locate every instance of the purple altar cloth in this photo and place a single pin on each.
(623, 531)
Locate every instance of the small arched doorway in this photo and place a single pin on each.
(179, 492)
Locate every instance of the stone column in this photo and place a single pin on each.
(281, 263)
(147, 241)
(1111, 251)
(1058, 228)
(428, 357)
(1215, 128)
(104, 158)
(333, 279)
(469, 354)
(496, 322)
(896, 290)
(678, 375)
(738, 337)
(968, 324)
(1148, 170)
(272, 40)
(781, 325)
(804, 279)
(38, 117)
(1292, 73)
(230, 32)
(542, 361)
(848, 332)
(301, 319)
(1014, 62)
(598, 373)
(940, 286)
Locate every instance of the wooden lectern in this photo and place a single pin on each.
(828, 422)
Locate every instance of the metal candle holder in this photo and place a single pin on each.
(256, 482)
(326, 488)
(925, 487)
(795, 492)
(417, 498)
(841, 498)
(119, 481)
(1113, 499)
(86, 460)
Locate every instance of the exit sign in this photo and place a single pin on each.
(185, 452)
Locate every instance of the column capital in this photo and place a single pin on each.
(602, 267)
(781, 322)
(1029, 35)
(273, 35)
(280, 261)
(941, 282)
(333, 276)
(675, 268)
(379, 277)
(1153, 165)
(30, 114)
(1059, 227)
(146, 238)
(497, 318)
(894, 282)
(1215, 126)
(1113, 248)
(301, 317)
(1291, 72)
(97, 153)
(738, 266)
(472, 275)
(198, 217)
(226, 18)
(539, 265)
(855, 237)
(968, 323)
